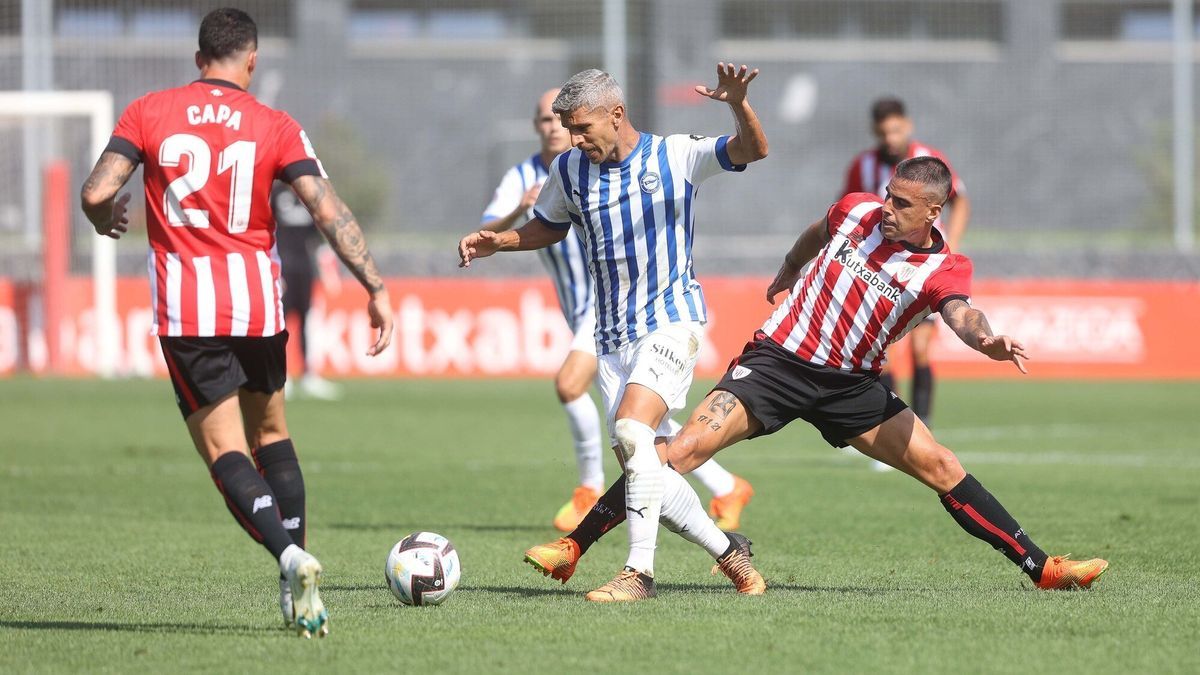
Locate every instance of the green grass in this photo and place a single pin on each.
(118, 555)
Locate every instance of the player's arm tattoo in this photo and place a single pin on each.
(334, 219)
(109, 175)
(969, 324)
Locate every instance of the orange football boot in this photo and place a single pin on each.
(737, 566)
(628, 586)
(556, 559)
(572, 512)
(1060, 573)
(727, 509)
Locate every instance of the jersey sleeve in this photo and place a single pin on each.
(836, 215)
(295, 155)
(507, 196)
(952, 282)
(127, 138)
(552, 207)
(702, 157)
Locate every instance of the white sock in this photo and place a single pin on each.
(643, 491)
(584, 420)
(683, 515)
(714, 477)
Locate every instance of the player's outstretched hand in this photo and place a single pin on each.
(783, 282)
(379, 308)
(479, 244)
(731, 83)
(116, 226)
(530, 198)
(1004, 348)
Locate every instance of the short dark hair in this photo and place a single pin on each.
(225, 32)
(884, 108)
(928, 171)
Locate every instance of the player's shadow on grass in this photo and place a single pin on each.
(776, 586)
(402, 527)
(524, 591)
(509, 590)
(109, 626)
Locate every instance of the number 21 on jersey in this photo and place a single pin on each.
(237, 159)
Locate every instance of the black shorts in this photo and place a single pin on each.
(776, 386)
(206, 369)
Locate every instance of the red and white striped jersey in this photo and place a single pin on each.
(864, 292)
(870, 172)
(210, 153)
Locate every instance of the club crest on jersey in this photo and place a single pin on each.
(650, 182)
(905, 273)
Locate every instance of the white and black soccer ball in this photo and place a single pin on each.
(423, 569)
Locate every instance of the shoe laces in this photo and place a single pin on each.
(736, 566)
(628, 581)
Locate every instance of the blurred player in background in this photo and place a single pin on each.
(870, 172)
(298, 242)
(631, 195)
(879, 267)
(210, 152)
(512, 204)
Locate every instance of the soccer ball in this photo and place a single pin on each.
(423, 569)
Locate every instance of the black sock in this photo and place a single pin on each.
(278, 465)
(250, 500)
(922, 392)
(981, 515)
(888, 381)
(608, 512)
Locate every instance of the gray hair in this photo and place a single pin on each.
(588, 90)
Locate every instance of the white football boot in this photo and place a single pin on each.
(285, 603)
(303, 573)
(316, 387)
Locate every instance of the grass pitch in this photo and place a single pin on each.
(118, 554)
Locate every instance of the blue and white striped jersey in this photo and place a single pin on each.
(565, 260)
(636, 220)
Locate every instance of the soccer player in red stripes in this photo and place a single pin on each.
(210, 152)
(879, 268)
(871, 171)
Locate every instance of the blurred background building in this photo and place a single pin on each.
(1058, 113)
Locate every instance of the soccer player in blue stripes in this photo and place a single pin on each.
(511, 205)
(631, 198)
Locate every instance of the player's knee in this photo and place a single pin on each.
(568, 389)
(269, 431)
(944, 470)
(684, 452)
(630, 436)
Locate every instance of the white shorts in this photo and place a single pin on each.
(662, 361)
(584, 334)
